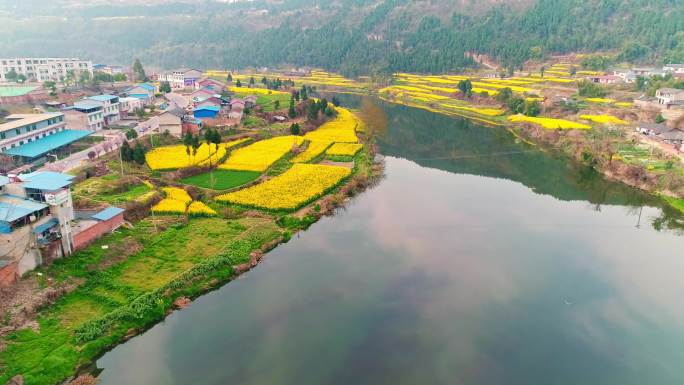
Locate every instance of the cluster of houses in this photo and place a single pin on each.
(207, 104)
(630, 75)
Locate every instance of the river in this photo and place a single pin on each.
(477, 260)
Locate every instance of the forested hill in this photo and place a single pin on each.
(354, 36)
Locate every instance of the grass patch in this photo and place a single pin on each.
(222, 179)
(675, 202)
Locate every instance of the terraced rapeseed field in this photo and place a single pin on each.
(261, 155)
(294, 188)
(175, 157)
(550, 123)
(341, 129)
(600, 100)
(198, 208)
(344, 149)
(477, 110)
(314, 149)
(606, 119)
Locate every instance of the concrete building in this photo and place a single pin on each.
(669, 95)
(28, 138)
(91, 227)
(43, 69)
(182, 78)
(128, 105)
(211, 84)
(110, 107)
(85, 115)
(176, 122)
(36, 212)
(674, 68)
(142, 91)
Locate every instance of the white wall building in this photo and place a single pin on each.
(85, 115)
(21, 129)
(110, 107)
(674, 68)
(43, 69)
(180, 79)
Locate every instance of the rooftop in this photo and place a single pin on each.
(208, 108)
(48, 143)
(103, 98)
(15, 91)
(671, 90)
(108, 213)
(46, 180)
(87, 104)
(20, 120)
(13, 207)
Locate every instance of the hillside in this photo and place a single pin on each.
(354, 36)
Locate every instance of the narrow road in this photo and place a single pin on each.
(111, 143)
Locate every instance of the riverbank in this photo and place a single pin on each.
(598, 132)
(130, 280)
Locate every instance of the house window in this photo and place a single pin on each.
(2, 135)
(17, 131)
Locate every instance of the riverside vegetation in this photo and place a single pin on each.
(189, 235)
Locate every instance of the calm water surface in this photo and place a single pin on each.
(477, 260)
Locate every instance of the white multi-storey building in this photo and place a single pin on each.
(182, 78)
(43, 69)
(110, 107)
(22, 129)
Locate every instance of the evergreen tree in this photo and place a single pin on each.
(291, 112)
(238, 83)
(164, 87)
(294, 129)
(229, 79)
(303, 94)
(126, 152)
(139, 71)
(139, 154)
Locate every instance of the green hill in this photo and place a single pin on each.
(354, 36)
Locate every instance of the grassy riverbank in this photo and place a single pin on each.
(131, 279)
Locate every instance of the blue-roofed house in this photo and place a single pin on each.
(110, 107)
(143, 91)
(98, 224)
(206, 112)
(36, 213)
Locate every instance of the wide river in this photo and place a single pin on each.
(477, 261)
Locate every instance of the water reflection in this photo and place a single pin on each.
(475, 270)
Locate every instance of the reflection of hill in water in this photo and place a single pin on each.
(460, 146)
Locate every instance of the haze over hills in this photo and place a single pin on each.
(353, 36)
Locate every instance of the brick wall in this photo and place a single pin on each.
(85, 237)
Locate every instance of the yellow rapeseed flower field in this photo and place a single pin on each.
(624, 104)
(256, 91)
(176, 193)
(261, 155)
(600, 100)
(314, 149)
(344, 149)
(477, 110)
(198, 208)
(288, 191)
(550, 123)
(502, 86)
(173, 157)
(340, 129)
(607, 119)
(169, 206)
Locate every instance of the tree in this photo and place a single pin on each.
(251, 81)
(91, 155)
(505, 94)
(21, 78)
(11, 75)
(164, 87)
(131, 134)
(590, 90)
(83, 78)
(659, 119)
(119, 78)
(532, 108)
(276, 105)
(187, 142)
(335, 101)
(466, 87)
(195, 145)
(52, 86)
(139, 71)
(70, 78)
(229, 79)
(541, 71)
(573, 71)
(291, 112)
(303, 94)
(126, 152)
(264, 81)
(238, 83)
(294, 129)
(139, 154)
